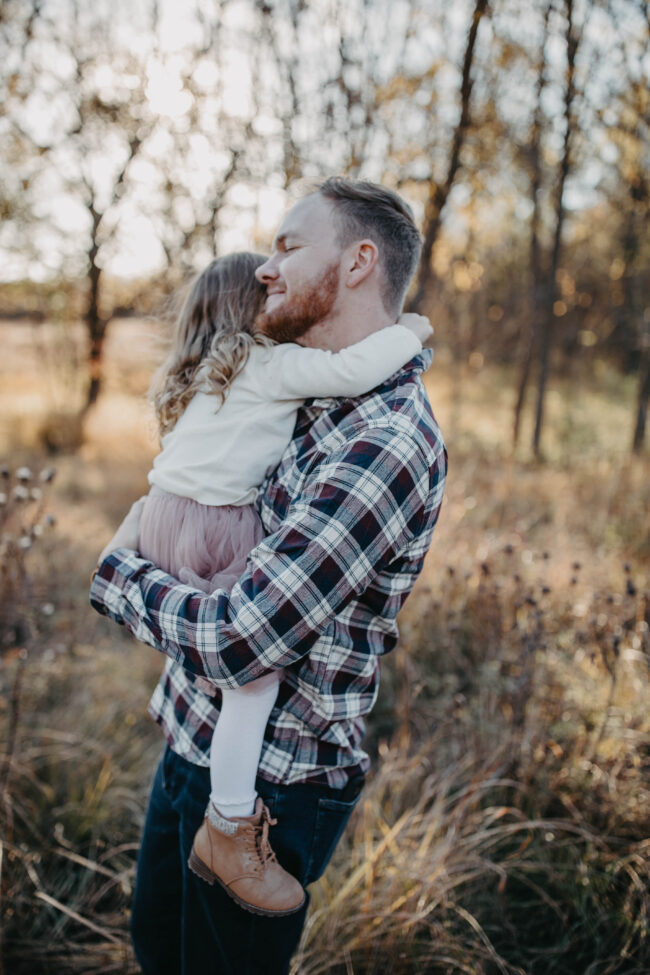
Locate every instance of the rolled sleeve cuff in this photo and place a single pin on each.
(115, 592)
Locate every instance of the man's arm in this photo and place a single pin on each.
(359, 509)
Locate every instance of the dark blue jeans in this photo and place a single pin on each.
(182, 926)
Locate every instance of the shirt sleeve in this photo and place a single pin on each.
(362, 505)
(303, 373)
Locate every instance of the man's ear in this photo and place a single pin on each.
(362, 261)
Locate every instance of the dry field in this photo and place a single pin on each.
(505, 827)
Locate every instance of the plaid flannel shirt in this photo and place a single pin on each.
(350, 512)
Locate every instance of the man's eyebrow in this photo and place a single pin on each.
(281, 239)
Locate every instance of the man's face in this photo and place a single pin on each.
(302, 274)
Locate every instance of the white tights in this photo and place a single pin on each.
(237, 744)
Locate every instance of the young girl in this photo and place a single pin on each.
(226, 401)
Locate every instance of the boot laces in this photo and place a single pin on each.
(261, 838)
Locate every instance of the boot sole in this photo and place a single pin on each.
(198, 867)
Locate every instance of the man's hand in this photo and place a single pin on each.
(127, 534)
(419, 324)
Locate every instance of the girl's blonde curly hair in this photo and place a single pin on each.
(213, 336)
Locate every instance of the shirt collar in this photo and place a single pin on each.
(417, 365)
(421, 362)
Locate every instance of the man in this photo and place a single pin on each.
(349, 513)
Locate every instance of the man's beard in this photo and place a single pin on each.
(295, 316)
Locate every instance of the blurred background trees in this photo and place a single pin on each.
(505, 826)
(139, 141)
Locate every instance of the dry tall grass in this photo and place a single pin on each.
(505, 826)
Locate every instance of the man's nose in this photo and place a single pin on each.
(266, 272)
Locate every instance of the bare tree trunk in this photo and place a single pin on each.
(289, 108)
(96, 333)
(643, 397)
(536, 272)
(439, 193)
(95, 324)
(572, 41)
(634, 304)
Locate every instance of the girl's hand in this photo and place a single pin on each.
(127, 534)
(419, 324)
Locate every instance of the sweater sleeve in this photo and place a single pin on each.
(303, 373)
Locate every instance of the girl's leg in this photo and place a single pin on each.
(232, 846)
(237, 744)
(207, 547)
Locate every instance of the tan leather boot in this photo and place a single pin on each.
(237, 854)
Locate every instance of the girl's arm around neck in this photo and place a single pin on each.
(302, 373)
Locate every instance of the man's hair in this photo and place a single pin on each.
(366, 209)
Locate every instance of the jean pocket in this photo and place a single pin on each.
(332, 816)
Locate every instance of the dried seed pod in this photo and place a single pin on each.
(20, 493)
(47, 475)
(24, 474)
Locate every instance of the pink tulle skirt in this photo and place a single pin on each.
(202, 545)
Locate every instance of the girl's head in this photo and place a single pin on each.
(213, 335)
